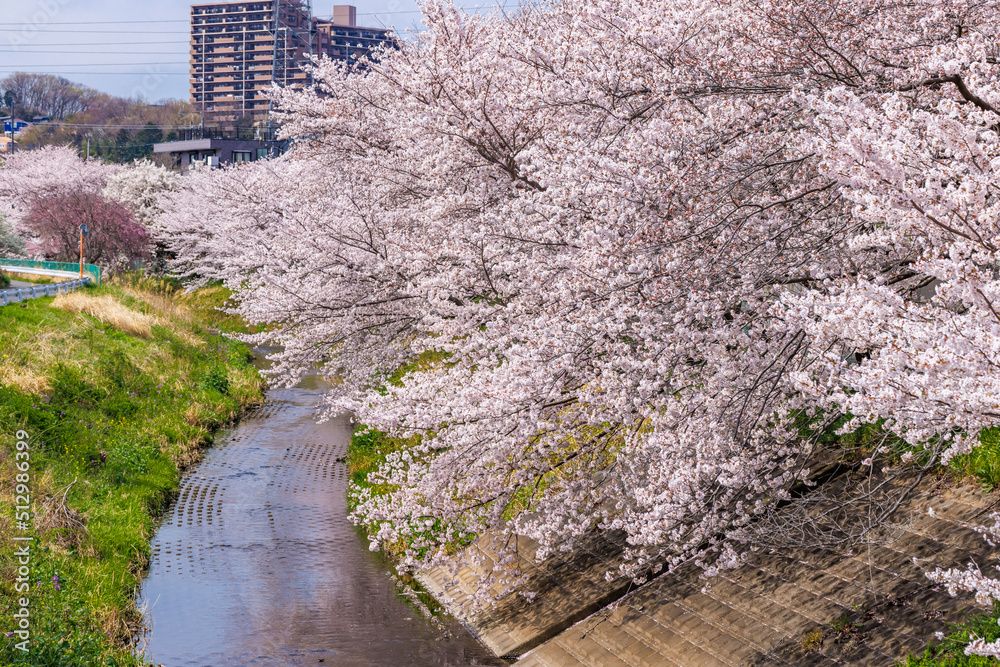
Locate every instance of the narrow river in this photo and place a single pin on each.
(257, 564)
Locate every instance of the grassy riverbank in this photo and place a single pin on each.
(117, 387)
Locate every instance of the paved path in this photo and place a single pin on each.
(45, 273)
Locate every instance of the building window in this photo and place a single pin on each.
(242, 156)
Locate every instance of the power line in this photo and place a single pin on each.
(184, 62)
(16, 70)
(100, 53)
(40, 30)
(42, 25)
(97, 22)
(104, 43)
(57, 123)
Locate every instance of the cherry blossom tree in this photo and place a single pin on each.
(140, 187)
(49, 193)
(634, 255)
(50, 171)
(11, 244)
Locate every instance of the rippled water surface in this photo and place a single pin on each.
(257, 564)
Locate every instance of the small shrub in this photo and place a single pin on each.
(4, 280)
(127, 460)
(813, 640)
(843, 625)
(216, 379)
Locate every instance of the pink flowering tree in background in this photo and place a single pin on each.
(115, 236)
(141, 188)
(48, 193)
(642, 252)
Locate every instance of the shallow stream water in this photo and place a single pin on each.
(256, 563)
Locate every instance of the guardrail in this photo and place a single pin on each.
(65, 269)
(20, 294)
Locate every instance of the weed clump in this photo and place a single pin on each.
(216, 380)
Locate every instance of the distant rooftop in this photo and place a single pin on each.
(345, 15)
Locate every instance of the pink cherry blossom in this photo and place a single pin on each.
(630, 244)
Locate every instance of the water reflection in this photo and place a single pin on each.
(257, 564)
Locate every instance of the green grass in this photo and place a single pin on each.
(983, 462)
(112, 417)
(210, 300)
(368, 451)
(950, 652)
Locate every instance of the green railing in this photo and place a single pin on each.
(91, 270)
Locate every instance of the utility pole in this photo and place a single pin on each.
(274, 62)
(310, 29)
(84, 231)
(9, 99)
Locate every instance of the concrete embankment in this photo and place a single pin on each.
(869, 607)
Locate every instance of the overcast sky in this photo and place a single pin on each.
(133, 48)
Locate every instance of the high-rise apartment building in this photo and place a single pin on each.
(239, 48)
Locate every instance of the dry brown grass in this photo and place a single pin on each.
(23, 379)
(189, 338)
(63, 525)
(193, 415)
(245, 388)
(31, 352)
(163, 303)
(167, 304)
(108, 310)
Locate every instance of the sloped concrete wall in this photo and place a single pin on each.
(818, 608)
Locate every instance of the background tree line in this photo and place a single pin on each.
(115, 128)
